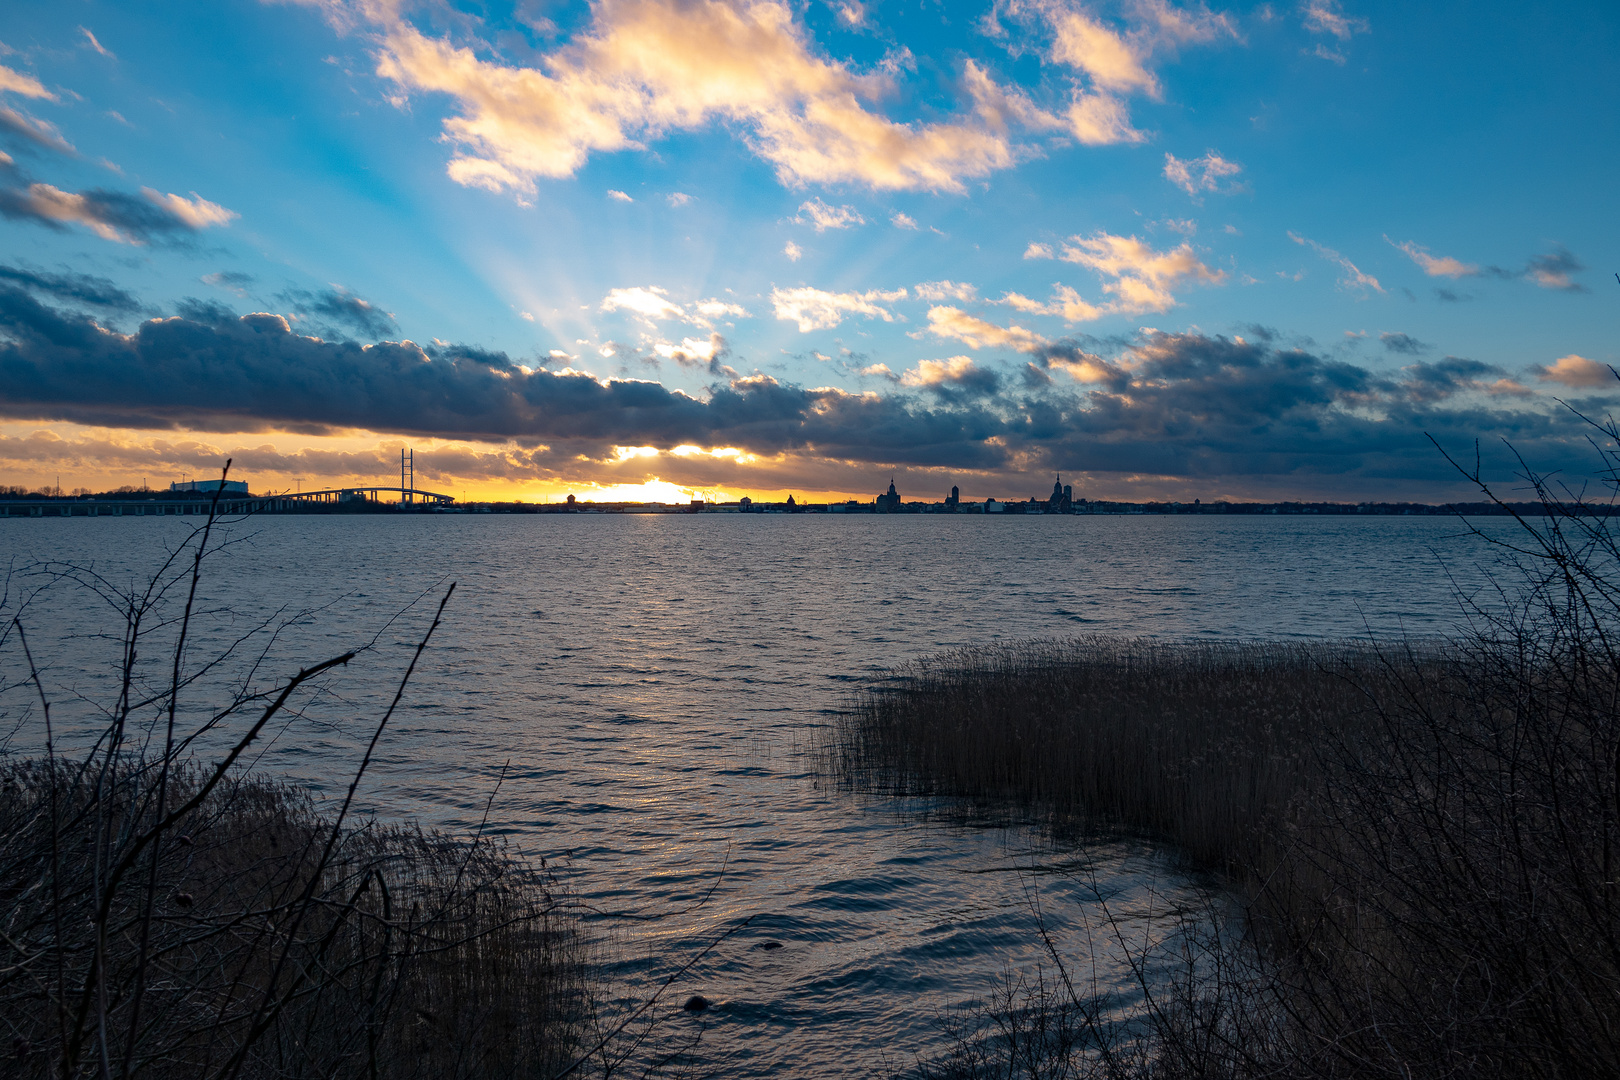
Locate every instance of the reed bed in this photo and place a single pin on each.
(166, 913)
(1423, 839)
(1198, 743)
(265, 940)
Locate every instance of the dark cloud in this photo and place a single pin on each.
(114, 215)
(207, 312)
(1450, 296)
(454, 353)
(1168, 405)
(953, 380)
(1033, 377)
(1429, 382)
(1553, 270)
(339, 308)
(21, 131)
(1403, 343)
(81, 288)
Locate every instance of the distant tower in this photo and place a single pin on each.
(407, 475)
(955, 499)
(889, 502)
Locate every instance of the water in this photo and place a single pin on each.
(649, 684)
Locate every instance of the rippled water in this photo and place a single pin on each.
(649, 684)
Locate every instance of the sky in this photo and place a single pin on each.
(674, 249)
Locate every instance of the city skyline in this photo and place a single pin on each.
(660, 250)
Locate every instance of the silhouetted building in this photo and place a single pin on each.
(208, 487)
(890, 502)
(954, 499)
(1062, 498)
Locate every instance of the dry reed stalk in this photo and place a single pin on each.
(166, 917)
(1424, 839)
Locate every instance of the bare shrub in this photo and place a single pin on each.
(164, 913)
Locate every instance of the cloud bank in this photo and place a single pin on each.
(1167, 405)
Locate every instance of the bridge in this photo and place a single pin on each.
(406, 495)
(229, 504)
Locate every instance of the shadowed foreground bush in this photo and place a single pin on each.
(1424, 841)
(164, 913)
(394, 952)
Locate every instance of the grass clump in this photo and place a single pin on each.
(1424, 840)
(167, 913)
(266, 940)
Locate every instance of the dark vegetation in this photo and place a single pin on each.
(165, 912)
(1423, 838)
(257, 937)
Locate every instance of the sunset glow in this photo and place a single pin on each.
(678, 250)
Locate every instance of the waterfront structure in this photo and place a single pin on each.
(208, 487)
(889, 502)
(1062, 498)
(953, 500)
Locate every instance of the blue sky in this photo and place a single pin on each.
(660, 248)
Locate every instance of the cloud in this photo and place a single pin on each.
(698, 353)
(195, 212)
(715, 309)
(976, 333)
(1200, 174)
(1435, 265)
(902, 221)
(1114, 62)
(234, 281)
(824, 217)
(815, 309)
(79, 288)
(33, 132)
(1039, 251)
(337, 307)
(946, 290)
(678, 199)
(96, 45)
(1202, 409)
(113, 215)
(254, 373)
(1353, 277)
(1403, 343)
(1079, 365)
(643, 68)
(1553, 270)
(1577, 372)
(619, 196)
(956, 372)
(1327, 17)
(792, 251)
(1142, 277)
(1066, 304)
(650, 303)
(1443, 379)
(15, 82)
